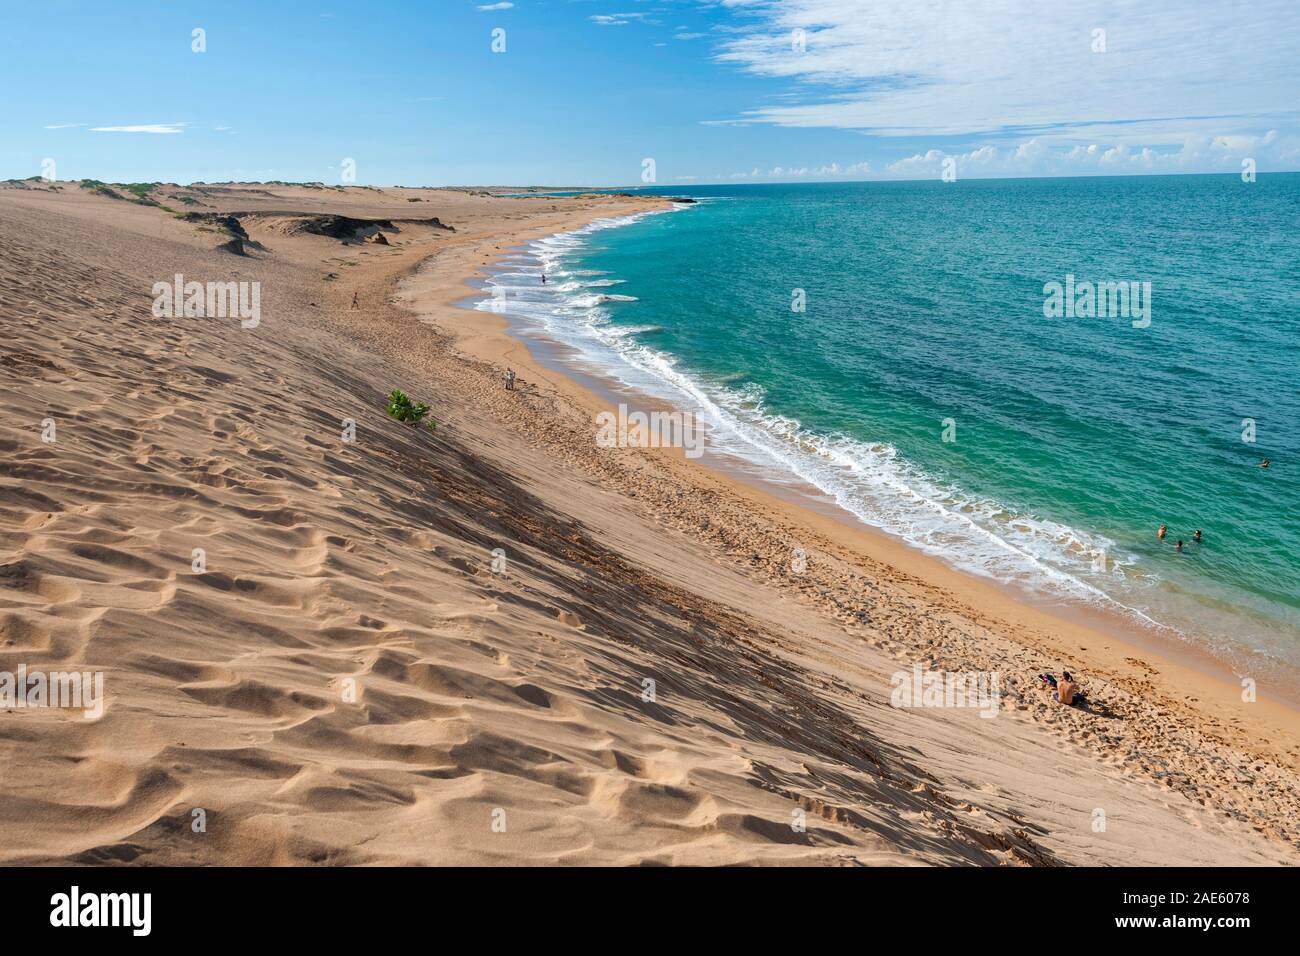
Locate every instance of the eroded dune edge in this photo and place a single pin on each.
(495, 643)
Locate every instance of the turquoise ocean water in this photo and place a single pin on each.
(1075, 437)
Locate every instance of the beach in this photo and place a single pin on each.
(498, 642)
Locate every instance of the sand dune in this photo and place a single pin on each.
(352, 677)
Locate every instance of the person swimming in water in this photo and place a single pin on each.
(1161, 533)
(1179, 545)
(543, 278)
(1197, 537)
(1264, 463)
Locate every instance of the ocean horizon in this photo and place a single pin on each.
(1025, 378)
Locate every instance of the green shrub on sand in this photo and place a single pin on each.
(403, 409)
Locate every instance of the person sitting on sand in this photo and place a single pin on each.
(1066, 691)
(1161, 533)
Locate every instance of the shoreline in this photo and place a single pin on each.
(1099, 643)
(606, 392)
(386, 685)
(806, 499)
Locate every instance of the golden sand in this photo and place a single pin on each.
(497, 643)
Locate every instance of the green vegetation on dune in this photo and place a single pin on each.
(403, 409)
(140, 191)
(100, 188)
(137, 192)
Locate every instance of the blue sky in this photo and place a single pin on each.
(711, 90)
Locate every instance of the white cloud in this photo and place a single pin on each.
(1034, 157)
(149, 128)
(619, 19)
(64, 125)
(827, 171)
(489, 7)
(1022, 67)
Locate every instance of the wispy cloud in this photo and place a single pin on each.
(946, 67)
(620, 19)
(147, 128)
(64, 125)
(489, 7)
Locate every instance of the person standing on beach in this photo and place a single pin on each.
(355, 303)
(510, 380)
